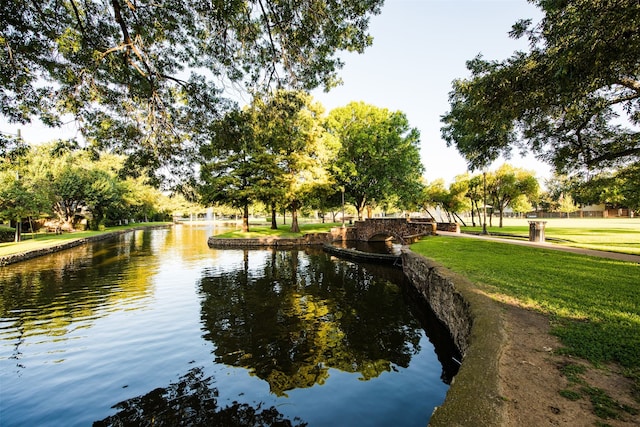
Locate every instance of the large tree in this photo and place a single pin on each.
(230, 169)
(145, 77)
(290, 125)
(573, 99)
(507, 184)
(21, 197)
(379, 155)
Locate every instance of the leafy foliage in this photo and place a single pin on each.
(507, 183)
(58, 179)
(574, 99)
(290, 125)
(146, 78)
(379, 156)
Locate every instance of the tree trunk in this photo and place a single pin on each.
(461, 220)
(473, 218)
(274, 224)
(431, 215)
(18, 235)
(245, 218)
(295, 228)
(501, 214)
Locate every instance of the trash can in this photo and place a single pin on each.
(536, 231)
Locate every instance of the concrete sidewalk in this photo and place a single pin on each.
(546, 245)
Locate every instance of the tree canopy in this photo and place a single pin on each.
(573, 99)
(144, 77)
(66, 184)
(379, 156)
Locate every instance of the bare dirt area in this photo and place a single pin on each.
(532, 375)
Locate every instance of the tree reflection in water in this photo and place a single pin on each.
(292, 318)
(191, 401)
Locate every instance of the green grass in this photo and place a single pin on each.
(610, 234)
(37, 241)
(594, 303)
(256, 231)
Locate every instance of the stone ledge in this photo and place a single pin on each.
(475, 323)
(356, 255)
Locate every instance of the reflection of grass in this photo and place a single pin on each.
(615, 234)
(594, 302)
(42, 241)
(282, 231)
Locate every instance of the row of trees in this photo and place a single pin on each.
(519, 190)
(281, 152)
(505, 187)
(65, 183)
(284, 152)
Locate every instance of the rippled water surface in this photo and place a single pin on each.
(154, 324)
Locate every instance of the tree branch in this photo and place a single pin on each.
(614, 155)
(271, 42)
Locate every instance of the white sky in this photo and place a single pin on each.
(419, 48)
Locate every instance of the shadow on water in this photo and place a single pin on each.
(192, 401)
(375, 247)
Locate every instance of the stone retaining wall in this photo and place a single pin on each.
(356, 255)
(441, 294)
(453, 227)
(474, 321)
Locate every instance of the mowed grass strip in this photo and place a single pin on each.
(610, 234)
(284, 231)
(38, 241)
(594, 303)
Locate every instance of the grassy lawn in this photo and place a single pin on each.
(610, 234)
(282, 231)
(37, 241)
(594, 303)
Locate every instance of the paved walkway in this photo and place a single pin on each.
(547, 245)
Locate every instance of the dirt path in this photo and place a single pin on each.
(531, 377)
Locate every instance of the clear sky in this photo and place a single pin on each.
(419, 48)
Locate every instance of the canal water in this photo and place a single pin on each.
(155, 327)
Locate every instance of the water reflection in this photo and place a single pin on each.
(86, 328)
(192, 401)
(59, 293)
(289, 321)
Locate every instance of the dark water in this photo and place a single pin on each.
(375, 247)
(155, 325)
